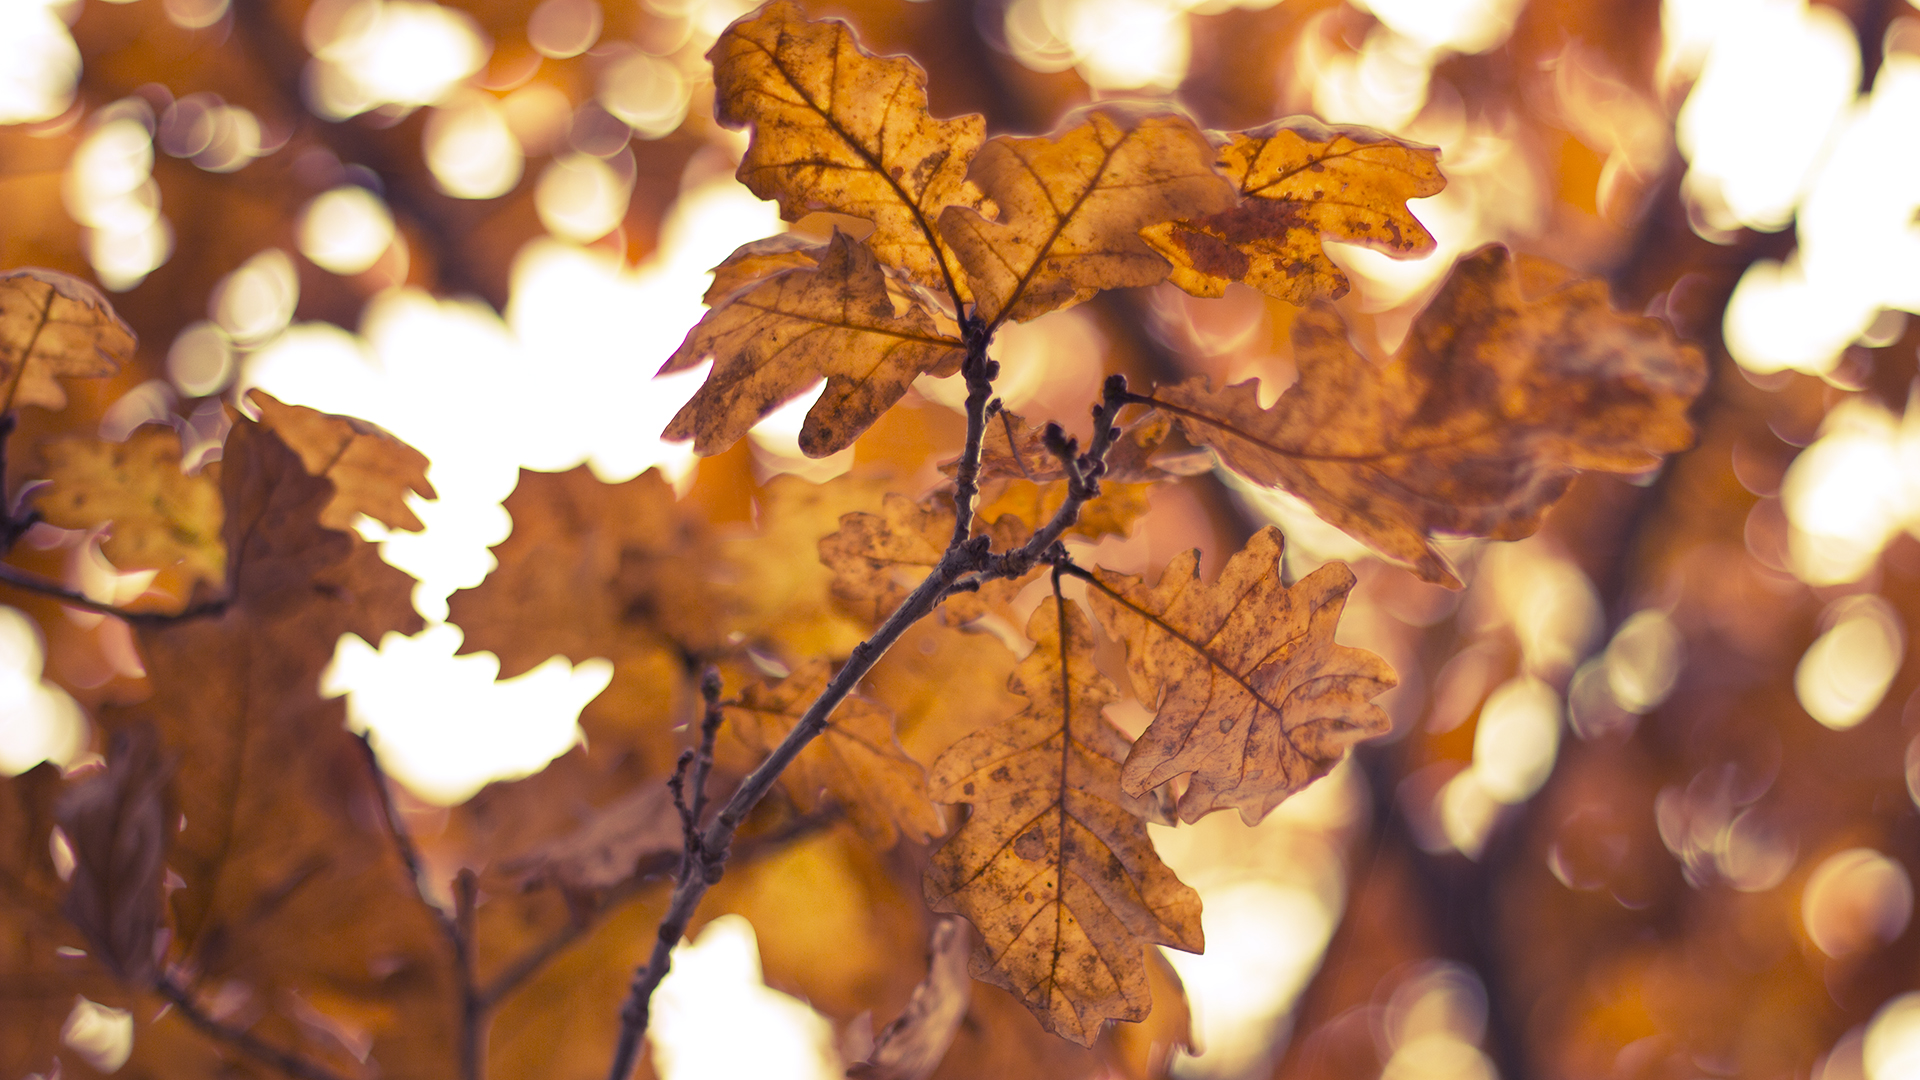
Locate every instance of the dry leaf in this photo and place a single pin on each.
(54, 325)
(159, 515)
(372, 472)
(1301, 182)
(912, 1046)
(877, 559)
(1475, 427)
(1250, 693)
(837, 129)
(1054, 866)
(779, 594)
(761, 259)
(609, 846)
(857, 759)
(1015, 450)
(776, 339)
(1071, 207)
(119, 821)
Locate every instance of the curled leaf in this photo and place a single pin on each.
(778, 338)
(1054, 866)
(54, 325)
(912, 1046)
(1071, 207)
(1302, 182)
(372, 472)
(120, 821)
(1251, 694)
(760, 259)
(1475, 427)
(159, 515)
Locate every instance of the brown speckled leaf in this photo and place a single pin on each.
(877, 559)
(372, 472)
(857, 760)
(760, 259)
(1054, 866)
(1475, 427)
(1302, 182)
(1251, 694)
(159, 515)
(771, 342)
(838, 129)
(54, 325)
(1071, 207)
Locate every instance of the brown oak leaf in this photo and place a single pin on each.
(1475, 427)
(1071, 207)
(776, 339)
(1302, 182)
(54, 325)
(913, 1045)
(760, 259)
(1250, 693)
(372, 472)
(837, 129)
(857, 759)
(119, 821)
(159, 515)
(1016, 450)
(1054, 866)
(877, 559)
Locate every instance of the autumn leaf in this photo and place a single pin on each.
(761, 259)
(1071, 207)
(1054, 866)
(1475, 427)
(837, 129)
(372, 472)
(1301, 182)
(776, 339)
(856, 759)
(913, 1044)
(158, 514)
(119, 821)
(1250, 693)
(1013, 449)
(608, 847)
(877, 559)
(54, 325)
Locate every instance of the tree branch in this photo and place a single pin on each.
(29, 582)
(241, 1039)
(979, 373)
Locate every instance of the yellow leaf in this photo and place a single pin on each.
(837, 129)
(877, 559)
(159, 515)
(54, 325)
(1250, 693)
(1475, 427)
(372, 472)
(760, 259)
(1071, 207)
(1300, 182)
(775, 340)
(1054, 867)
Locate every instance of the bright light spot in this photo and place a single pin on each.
(1433, 1021)
(195, 14)
(1643, 660)
(1463, 26)
(564, 28)
(1753, 855)
(471, 150)
(39, 63)
(345, 230)
(369, 53)
(1061, 354)
(1517, 739)
(1548, 601)
(714, 992)
(537, 114)
(1846, 671)
(100, 1034)
(1782, 318)
(1117, 44)
(200, 362)
(109, 188)
(1264, 941)
(776, 441)
(1775, 82)
(218, 137)
(1467, 812)
(463, 730)
(38, 721)
(647, 93)
(581, 197)
(1852, 491)
(1857, 898)
(256, 301)
(1439, 1057)
(1892, 1048)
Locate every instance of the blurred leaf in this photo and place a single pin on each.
(913, 1044)
(372, 472)
(119, 821)
(159, 515)
(54, 325)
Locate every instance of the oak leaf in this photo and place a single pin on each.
(776, 339)
(779, 595)
(1054, 866)
(857, 759)
(54, 325)
(1250, 693)
(912, 1046)
(759, 259)
(1013, 449)
(837, 129)
(877, 559)
(1071, 207)
(1301, 182)
(119, 821)
(1475, 427)
(372, 472)
(159, 515)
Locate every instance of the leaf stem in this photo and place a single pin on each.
(241, 1039)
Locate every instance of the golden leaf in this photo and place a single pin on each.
(1071, 207)
(1301, 181)
(372, 472)
(761, 259)
(1013, 449)
(1475, 427)
(877, 559)
(159, 515)
(1055, 867)
(773, 341)
(912, 1046)
(857, 759)
(1251, 694)
(54, 325)
(779, 594)
(837, 129)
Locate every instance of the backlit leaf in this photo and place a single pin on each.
(372, 472)
(752, 262)
(1250, 693)
(158, 515)
(1054, 866)
(877, 559)
(54, 325)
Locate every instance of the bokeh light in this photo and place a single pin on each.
(38, 720)
(345, 230)
(1845, 673)
(257, 300)
(110, 189)
(581, 198)
(713, 993)
(1856, 899)
(370, 53)
(39, 63)
(471, 149)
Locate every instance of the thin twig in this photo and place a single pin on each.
(241, 1039)
(979, 373)
(21, 579)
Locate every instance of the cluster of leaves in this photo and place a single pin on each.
(239, 859)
